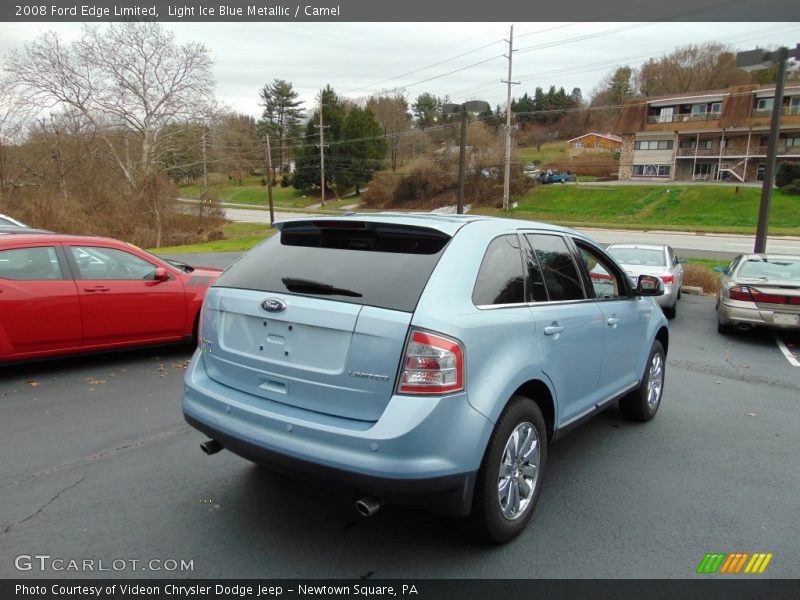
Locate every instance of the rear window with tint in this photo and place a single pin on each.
(375, 264)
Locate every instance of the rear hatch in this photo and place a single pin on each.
(317, 316)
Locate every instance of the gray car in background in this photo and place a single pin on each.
(6, 221)
(760, 290)
(652, 259)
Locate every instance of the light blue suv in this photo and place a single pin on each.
(424, 359)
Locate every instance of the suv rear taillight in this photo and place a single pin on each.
(432, 364)
(670, 279)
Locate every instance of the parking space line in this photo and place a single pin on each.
(786, 352)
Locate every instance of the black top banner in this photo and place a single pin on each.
(402, 11)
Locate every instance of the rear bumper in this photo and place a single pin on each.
(669, 298)
(449, 494)
(739, 313)
(423, 451)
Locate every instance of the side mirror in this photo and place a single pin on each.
(649, 285)
(161, 274)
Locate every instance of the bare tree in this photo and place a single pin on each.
(391, 112)
(129, 81)
(236, 146)
(12, 117)
(690, 69)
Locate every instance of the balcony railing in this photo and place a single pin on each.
(683, 117)
(767, 112)
(735, 151)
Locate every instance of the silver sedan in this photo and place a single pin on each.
(760, 290)
(652, 259)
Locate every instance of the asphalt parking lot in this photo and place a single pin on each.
(96, 463)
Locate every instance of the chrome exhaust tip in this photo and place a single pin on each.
(211, 447)
(368, 505)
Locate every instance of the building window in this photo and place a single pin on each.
(698, 109)
(579, 144)
(794, 105)
(652, 170)
(702, 144)
(792, 141)
(716, 107)
(665, 114)
(764, 104)
(653, 145)
(702, 169)
(597, 144)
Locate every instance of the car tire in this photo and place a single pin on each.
(671, 311)
(516, 455)
(642, 403)
(724, 328)
(679, 291)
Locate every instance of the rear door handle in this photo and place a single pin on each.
(613, 322)
(553, 329)
(96, 288)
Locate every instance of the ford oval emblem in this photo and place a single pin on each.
(273, 305)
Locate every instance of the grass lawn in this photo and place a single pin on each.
(250, 192)
(241, 237)
(679, 208)
(549, 151)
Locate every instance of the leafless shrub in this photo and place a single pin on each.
(703, 277)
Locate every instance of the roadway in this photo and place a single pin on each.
(698, 245)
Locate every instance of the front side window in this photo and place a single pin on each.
(606, 282)
(559, 270)
(500, 278)
(30, 264)
(96, 262)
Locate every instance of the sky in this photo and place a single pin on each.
(461, 60)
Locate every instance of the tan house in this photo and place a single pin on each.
(716, 135)
(595, 143)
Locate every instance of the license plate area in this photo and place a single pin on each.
(785, 319)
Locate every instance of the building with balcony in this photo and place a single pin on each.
(719, 135)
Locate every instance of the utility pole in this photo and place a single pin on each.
(473, 106)
(507, 177)
(752, 60)
(461, 160)
(321, 128)
(205, 165)
(269, 184)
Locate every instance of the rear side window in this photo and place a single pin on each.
(375, 264)
(500, 279)
(558, 268)
(30, 264)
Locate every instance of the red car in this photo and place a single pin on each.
(62, 294)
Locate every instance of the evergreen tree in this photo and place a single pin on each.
(363, 148)
(282, 114)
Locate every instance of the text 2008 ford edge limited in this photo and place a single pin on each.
(426, 359)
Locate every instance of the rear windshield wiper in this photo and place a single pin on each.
(316, 287)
